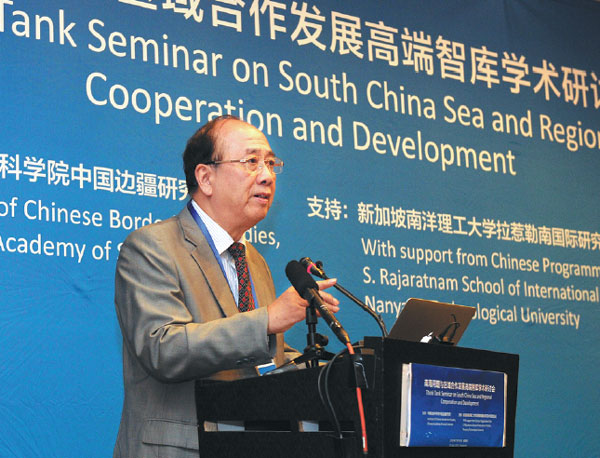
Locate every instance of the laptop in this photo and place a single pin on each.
(421, 320)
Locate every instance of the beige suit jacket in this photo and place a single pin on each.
(179, 323)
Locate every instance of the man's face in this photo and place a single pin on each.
(240, 198)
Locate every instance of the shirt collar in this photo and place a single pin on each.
(220, 236)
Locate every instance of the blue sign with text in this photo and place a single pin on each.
(452, 407)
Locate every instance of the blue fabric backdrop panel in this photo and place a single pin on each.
(442, 150)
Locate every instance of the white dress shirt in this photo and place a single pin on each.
(222, 241)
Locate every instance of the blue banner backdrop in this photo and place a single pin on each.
(443, 150)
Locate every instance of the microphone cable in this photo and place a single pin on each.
(323, 389)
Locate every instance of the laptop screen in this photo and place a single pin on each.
(420, 318)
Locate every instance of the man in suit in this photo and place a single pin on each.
(177, 293)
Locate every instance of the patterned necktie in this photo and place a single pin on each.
(245, 299)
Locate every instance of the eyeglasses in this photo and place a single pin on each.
(253, 163)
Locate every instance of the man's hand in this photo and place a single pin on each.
(289, 308)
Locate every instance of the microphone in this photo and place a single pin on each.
(313, 268)
(306, 287)
(317, 270)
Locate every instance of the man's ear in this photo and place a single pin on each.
(204, 177)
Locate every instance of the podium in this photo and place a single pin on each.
(279, 412)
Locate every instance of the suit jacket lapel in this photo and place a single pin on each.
(209, 266)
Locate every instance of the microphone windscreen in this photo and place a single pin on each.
(299, 278)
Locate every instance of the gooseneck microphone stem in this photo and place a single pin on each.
(317, 269)
(365, 307)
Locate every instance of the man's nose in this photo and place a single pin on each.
(265, 174)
